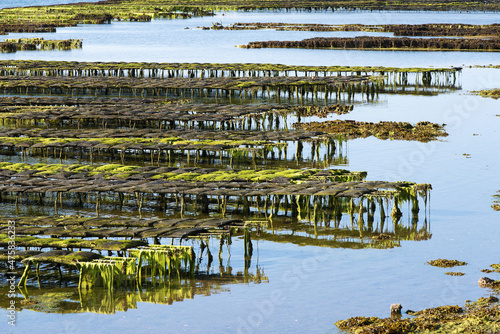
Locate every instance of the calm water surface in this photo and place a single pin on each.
(313, 287)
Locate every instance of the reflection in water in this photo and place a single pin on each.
(324, 95)
(349, 222)
(99, 300)
(365, 222)
(384, 234)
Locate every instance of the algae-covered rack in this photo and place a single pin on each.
(384, 43)
(38, 44)
(170, 116)
(186, 87)
(156, 134)
(204, 188)
(200, 70)
(140, 115)
(453, 30)
(103, 228)
(390, 76)
(47, 18)
(162, 261)
(194, 146)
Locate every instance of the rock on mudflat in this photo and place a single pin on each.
(396, 308)
(484, 282)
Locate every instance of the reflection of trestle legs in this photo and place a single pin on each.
(144, 265)
(367, 223)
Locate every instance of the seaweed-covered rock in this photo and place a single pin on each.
(482, 316)
(422, 131)
(396, 308)
(383, 43)
(485, 282)
(444, 263)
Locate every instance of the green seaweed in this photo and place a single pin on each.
(493, 93)
(163, 261)
(482, 316)
(444, 263)
(110, 271)
(422, 131)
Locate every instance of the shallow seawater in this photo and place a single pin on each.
(309, 287)
(181, 41)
